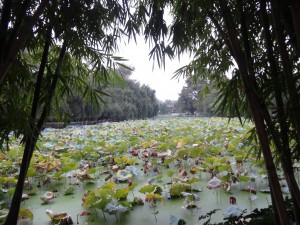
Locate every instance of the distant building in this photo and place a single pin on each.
(171, 108)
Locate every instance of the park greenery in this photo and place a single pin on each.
(51, 51)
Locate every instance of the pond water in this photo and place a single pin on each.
(209, 200)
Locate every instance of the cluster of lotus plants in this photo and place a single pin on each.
(117, 167)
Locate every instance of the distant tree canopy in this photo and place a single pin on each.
(197, 97)
(123, 101)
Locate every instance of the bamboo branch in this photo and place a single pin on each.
(19, 42)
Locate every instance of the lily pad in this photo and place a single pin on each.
(123, 175)
(69, 190)
(55, 216)
(232, 211)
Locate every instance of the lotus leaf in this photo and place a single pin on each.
(133, 170)
(176, 189)
(31, 172)
(69, 190)
(138, 201)
(122, 193)
(3, 214)
(25, 216)
(192, 196)
(214, 183)
(252, 198)
(32, 191)
(223, 167)
(132, 186)
(232, 211)
(70, 166)
(211, 160)
(243, 178)
(190, 181)
(151, 197)
(123, 175)
(151, 189)
(55, 216)
(175, 220)
(47, 197)
(226, 178)
(114, 207)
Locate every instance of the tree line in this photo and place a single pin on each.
(125, 100)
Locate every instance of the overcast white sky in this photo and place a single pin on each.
(156, 78)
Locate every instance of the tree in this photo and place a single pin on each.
(16, 25)
(132, 101)
(248, 35)
(197, 96)
(67, 49)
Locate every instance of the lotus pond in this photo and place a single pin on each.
(162, 171)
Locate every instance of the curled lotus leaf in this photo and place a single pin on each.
(123, 175)
(252, 198)
(232, 211)
(55, 216)
(69, 190)
(25, 216)
(133, 170)
(114, 207)
(214, 183)
(175, 220)
(191, 196)
(177, 189)
(67, 220)
(24, 221)
(3, 214)
(47, 197)
(138, 201)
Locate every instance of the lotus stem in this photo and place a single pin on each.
(103, 215)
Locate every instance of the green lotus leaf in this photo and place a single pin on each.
(177, 188)
(191, 181)
(25, 213)
(226, 178)
(182, 153)
(33, 191)
(170, 173)
(243, 178)
(196, 152)
(132, 186)
(151, 189)
(152, 196)
(211, 160)
(90, 199)
(122, 193)
(223, 167)
(58, 174)
(69, 167)
(92, 170)
(31, 172)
